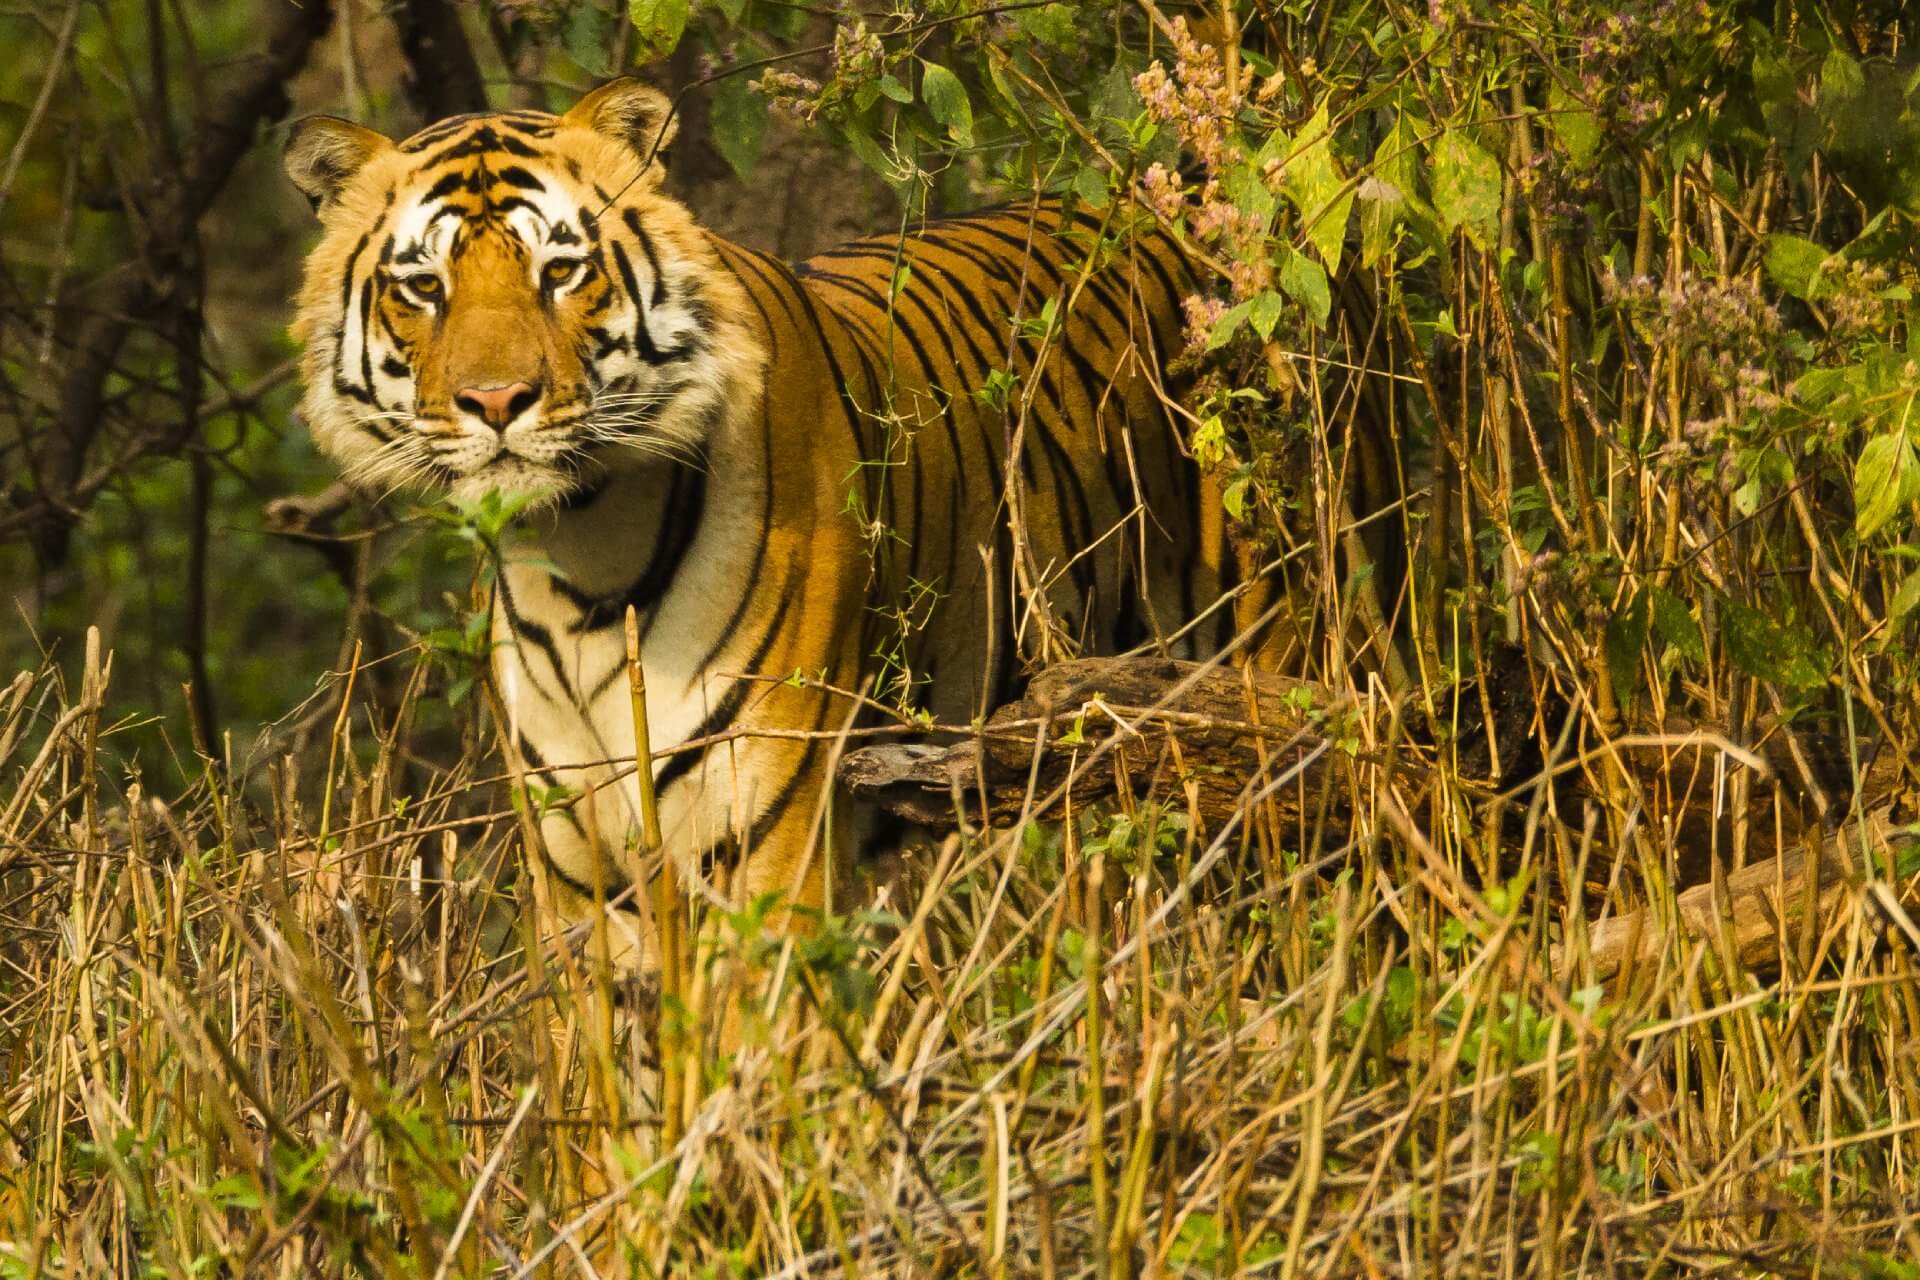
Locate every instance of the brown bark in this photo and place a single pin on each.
(1150, 723)
(1181, 730)
(443, 79)
(1777, 906)
(218, 140)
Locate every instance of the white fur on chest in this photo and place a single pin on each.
(569, 698)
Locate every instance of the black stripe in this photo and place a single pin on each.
(514, 176)
(346, 305)
(970, 301)
(680, 518)
(993, 449)
(440, 131)
(752, 296)
(750, 589)
(1028, 247)
(531, 124)
(632, 218)
(935, 378)
(721, 716)
(851, 284)
(630, 903)
(775, 279)
(886, 254)
(849, 409)
(643, 340)
(762, 826)
(455, 181)
(538, 634)
(606, 342)
(507, 204)
(1076, 534)
(366, 333)
(1171, 294)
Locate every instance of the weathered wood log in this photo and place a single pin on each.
(1153, 723)
(1788, 899)
(1170, 724)
(1184, 731)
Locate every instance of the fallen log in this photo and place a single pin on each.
(1777, 904)
(1196, 735)
(1182, 730)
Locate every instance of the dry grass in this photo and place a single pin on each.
(244, 1035)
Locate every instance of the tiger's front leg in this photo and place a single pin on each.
(749, 826)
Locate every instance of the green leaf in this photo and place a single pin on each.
(1841, 81)
(1626, 634)
(739, 124)
(1572, 124)
(588, 39)
(1676, 626)
(1306, 283)
(1817, 386)
(1398, 158)
(890, 86)
(1885, 479)
(1466, 187)
(1794, 264)
(1765, 649)
(657, 26)
(1318, 190)
(1391, 195)
(1234, 497)
(947, 99)
(860, 141)
(1227, 325)
(1905, 598)
(1381, 205)
(1090, 184)
(235, 1191)
(1245, 183)
(1264, 311)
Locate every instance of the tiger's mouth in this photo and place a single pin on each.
(540, 460)
(512, 475)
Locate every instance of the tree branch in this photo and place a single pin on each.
(443, 79)
(220, 138)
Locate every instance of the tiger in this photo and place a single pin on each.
(902, 472)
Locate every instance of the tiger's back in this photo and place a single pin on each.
(1027, 334)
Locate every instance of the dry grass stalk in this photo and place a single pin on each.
(1157, 1042)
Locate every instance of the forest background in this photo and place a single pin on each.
(1641, 276)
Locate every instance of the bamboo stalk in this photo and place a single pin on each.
(668, 927)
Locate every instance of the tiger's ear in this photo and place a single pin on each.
(323, 153)
(631, 112)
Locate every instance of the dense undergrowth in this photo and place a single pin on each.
(1637, 278)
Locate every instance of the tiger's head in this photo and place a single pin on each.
(508, 302)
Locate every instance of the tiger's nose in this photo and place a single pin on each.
(498, 406)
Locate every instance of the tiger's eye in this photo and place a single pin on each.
(559, 272)
(425, 286)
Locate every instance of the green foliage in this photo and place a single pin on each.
(1632, 286)
(658, 24)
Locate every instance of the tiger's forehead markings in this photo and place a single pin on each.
(467, 201)
(533, 124)
(475, 135)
